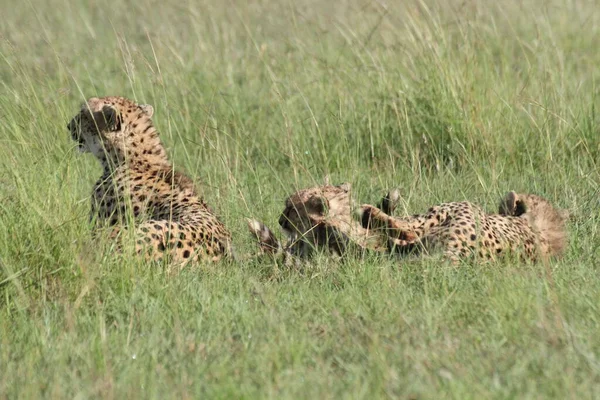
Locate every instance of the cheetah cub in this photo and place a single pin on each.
(525, 223)
(319, 217)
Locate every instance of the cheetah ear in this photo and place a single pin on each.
(507, 204)
(512, 205)
(521, 208)
(390, 201)
(345, 186)
(147, 109)
(110, 118)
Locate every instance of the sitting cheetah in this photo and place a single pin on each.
(138, 180)
(525, 222)
(319, 217)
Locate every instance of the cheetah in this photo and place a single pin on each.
(170, 219)
(319, 217)
(524, 222)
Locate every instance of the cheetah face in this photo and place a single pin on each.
(309, 209)
(86, 131)
(103, 124)
(302, 216)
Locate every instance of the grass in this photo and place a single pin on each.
(446, 100)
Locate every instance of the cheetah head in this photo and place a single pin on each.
(112, 127)
(318, 216)
(520, 204)
(309, 208)
(547, 220)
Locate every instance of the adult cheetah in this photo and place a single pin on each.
(169, 217)
(525, 222)
(319, 217)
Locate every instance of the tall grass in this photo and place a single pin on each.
(446, 100)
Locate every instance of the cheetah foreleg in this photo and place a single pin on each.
(373, 218)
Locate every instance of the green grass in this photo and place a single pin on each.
(446, 100)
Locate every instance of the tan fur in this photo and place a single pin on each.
(319, 217)
(526, 223)
(138, 180)
(547, 221)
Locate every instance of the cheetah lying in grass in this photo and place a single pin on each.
(172, 220)
(320, 217)
(525, 223)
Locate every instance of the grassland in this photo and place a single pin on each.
(446, 100)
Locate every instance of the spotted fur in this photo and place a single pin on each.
(319, 217)
(170, 219)
(525, 223)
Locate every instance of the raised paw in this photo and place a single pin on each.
(267, 241)
(390, 201)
